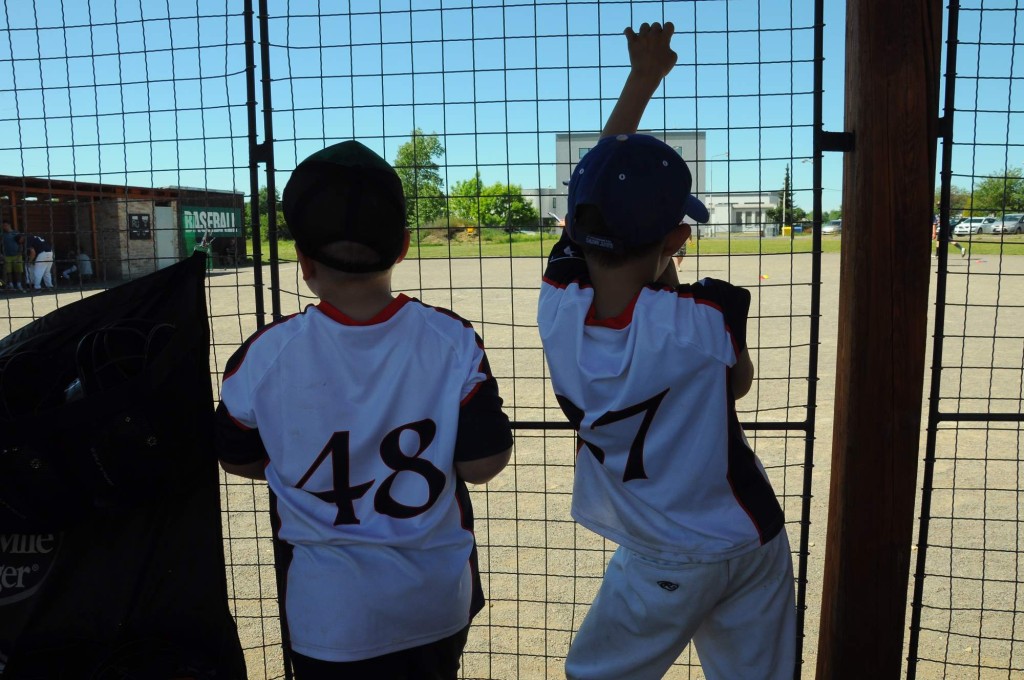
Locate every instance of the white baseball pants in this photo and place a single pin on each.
(740, 614)
(41, 269)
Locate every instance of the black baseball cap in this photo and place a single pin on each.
(346, 192)
(642, 188)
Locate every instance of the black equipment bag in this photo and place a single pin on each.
(110, 524)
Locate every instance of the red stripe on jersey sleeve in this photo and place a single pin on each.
(556, 284)
(235, 362)
(729, 476)
(472, 393)
(714, 305)
(732, 337)
(581, 283)
(238, 423)
(450, 314)
(709, 303)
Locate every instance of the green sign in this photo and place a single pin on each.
(212, 221)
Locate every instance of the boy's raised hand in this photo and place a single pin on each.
(651, 59)
(649, 52)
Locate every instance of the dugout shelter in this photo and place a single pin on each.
(128, 231)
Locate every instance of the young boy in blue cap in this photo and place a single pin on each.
(648, 372)
(366, 414)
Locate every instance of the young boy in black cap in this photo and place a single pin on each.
(366, 414)
(648, 372)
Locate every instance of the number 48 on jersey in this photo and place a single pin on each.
(343, 493)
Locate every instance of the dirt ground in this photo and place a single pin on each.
(541, 571)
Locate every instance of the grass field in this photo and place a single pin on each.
(530, 245)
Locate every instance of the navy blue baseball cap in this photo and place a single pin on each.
(346, 192)
(640, 185)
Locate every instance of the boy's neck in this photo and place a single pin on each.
(616, 287)
(359, 300)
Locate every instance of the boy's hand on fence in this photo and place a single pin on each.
(651, 59)
(650, 55)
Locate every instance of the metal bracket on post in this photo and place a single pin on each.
(836, 141)
(261, 152)
(945, 127)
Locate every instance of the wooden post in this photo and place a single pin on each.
(892, 86)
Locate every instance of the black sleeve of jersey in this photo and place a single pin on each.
(484, 429)
(236, 444)
(734, 303)
(565, 263)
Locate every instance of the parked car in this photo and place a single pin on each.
(1010, 224)
(975, 225)
(832, 227)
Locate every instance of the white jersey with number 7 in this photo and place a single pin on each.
(663, 466)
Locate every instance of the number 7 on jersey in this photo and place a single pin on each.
(635, 460)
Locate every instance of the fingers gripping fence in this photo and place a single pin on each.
(172, 114)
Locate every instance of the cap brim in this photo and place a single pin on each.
(693, 208)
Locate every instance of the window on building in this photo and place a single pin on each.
(584, 150)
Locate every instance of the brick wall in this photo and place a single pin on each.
(109, 266)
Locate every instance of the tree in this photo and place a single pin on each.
(497, 205)
(786, 212)
(466, 200)
(263, 202)
(421, 178)
(959, 200)
(1000, 193)
(510, 208)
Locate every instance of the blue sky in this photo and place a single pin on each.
(153, 93)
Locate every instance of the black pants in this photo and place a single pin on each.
(434, 661)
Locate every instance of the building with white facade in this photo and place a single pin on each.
(570, 147)
(740, 212)
(549, 203)
(731, 212)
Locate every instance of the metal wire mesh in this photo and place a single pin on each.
(152, 97)
(511, 96)
(967, 602)
(120, 122)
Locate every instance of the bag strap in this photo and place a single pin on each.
(87, 410)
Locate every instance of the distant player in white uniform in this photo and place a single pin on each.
(366, 414)
(648, 371)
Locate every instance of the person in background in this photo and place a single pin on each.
(680, 254)
(39, 255)
(82, 266)
(948, 231)
(14, 257)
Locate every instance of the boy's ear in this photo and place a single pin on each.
(676, 238)
(307, 265)
(405, 246)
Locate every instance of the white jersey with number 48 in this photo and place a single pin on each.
(360, 424)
